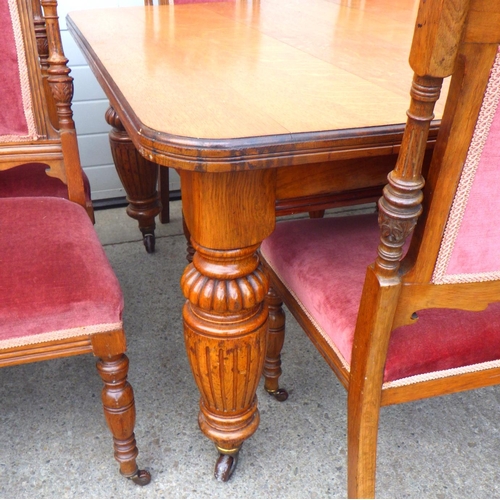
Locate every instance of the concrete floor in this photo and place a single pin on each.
(55, 443)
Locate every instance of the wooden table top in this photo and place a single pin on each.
(251, 74)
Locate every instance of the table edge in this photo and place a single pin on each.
(244, 153)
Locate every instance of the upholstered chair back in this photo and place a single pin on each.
(37, 132)
(469, 248)
(17, 120)
(418, 315)
(456, 238)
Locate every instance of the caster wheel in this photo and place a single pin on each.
(225, 466)
(142, 477)
(279, 394)
(149, 242)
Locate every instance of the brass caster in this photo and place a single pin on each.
(141, 477)
(279, 394)
(149, 242)
(225, 466)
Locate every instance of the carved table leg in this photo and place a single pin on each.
(275, 340)
(225, 317)
(139, 178)
(119, 410)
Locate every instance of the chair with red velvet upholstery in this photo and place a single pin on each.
(59, 295)
(422, 317)
(37, 158)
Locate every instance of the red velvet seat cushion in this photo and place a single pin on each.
(323, 263)
(55, 279)
(31, 180)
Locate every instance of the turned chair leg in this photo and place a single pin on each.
(119, 410)
(275, 340)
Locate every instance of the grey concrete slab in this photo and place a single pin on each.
(55, 443)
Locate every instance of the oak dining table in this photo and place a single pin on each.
(254, 103)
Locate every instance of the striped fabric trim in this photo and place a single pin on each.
(486, 115)
(425, 377)
(59, 335)
(23, 77)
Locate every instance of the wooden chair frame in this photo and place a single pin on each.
(55, 145)
(457, 38)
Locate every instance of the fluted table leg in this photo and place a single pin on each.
(225, 316)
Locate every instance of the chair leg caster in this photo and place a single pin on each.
(141, 477)
(225, 466)
(149, 241)
(279, 394)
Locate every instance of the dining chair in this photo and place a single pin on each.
(409, 307)
(59, 294)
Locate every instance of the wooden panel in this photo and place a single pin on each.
(340, 33)
(440, 387)
(337, 176)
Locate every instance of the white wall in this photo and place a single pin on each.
(89, 106)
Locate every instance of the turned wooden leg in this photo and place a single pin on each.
(225, 333)
(119, 410)
(225, 317)
(275, 340)
(139, 178)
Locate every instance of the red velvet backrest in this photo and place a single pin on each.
(16, 116)
(470, 247)
(36, 125)
(456, 237)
